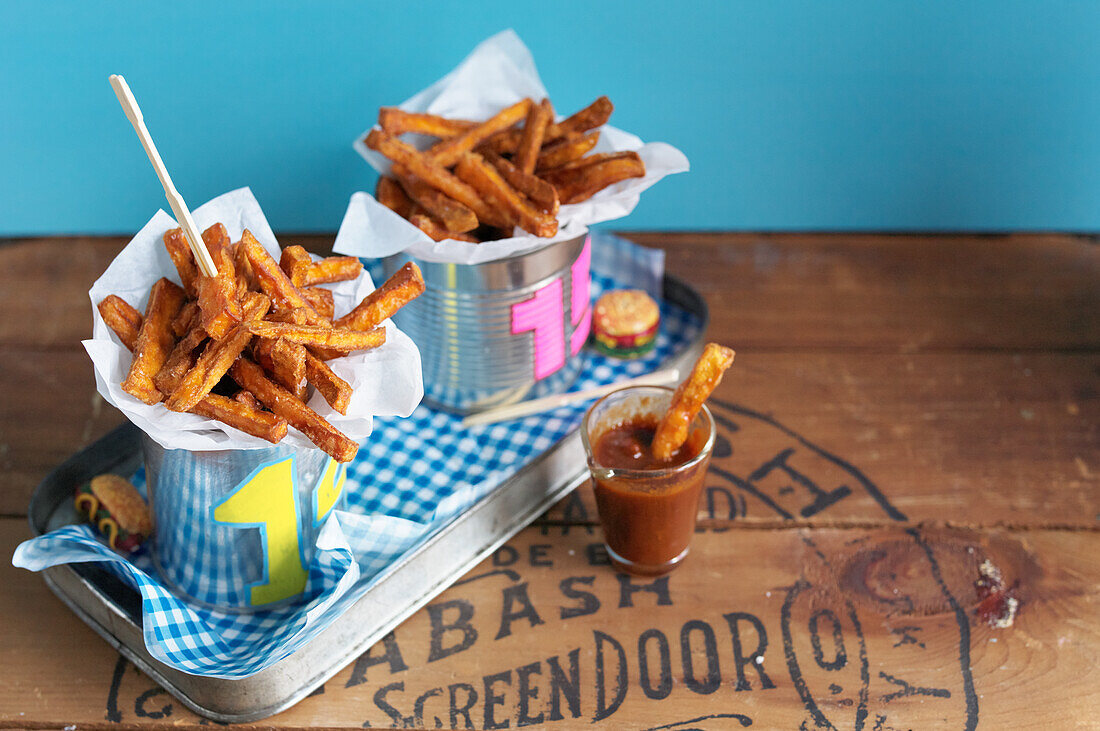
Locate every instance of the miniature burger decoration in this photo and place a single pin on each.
(624, 323)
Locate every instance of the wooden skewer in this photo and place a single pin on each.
(175, 200)
(514, 411)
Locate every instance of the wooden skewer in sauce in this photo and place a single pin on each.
(648, 478)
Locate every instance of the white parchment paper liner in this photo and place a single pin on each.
(498, 73)
(386, 381)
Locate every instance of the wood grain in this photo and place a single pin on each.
(848, 624)
(765, 291)
(44, 296)
(49, 408)
(902, 409)
(975, 438)
(896, 293)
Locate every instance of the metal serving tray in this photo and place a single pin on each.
(113, 609)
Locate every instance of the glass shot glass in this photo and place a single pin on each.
(648, 514)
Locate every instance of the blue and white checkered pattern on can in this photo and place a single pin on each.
(407, 482)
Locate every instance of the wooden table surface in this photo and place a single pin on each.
(904, 411)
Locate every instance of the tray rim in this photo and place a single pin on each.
(71, 586)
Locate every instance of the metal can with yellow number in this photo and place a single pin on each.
(235, 530)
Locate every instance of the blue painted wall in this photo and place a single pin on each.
(795, 115)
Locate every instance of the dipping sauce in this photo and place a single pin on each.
(647, 507)
(628, 447)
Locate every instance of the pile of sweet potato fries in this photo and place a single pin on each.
(482, 179)
(245, 346)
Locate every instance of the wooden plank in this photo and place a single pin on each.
(854, 627)
(44, 285)
(903, 376)
(980, 438)
(765, 291)
(891, 292)
(49, 409)
(977, 438)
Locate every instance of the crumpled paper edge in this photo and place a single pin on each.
(386, 380)
(509, 75)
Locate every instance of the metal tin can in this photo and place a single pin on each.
(503, 331)
(235, 530)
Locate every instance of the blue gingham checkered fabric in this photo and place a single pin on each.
(411, 477)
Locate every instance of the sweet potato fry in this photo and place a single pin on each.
(320, 337)
(217, 358)
(301, 417)
(502, 143)
(255, 306)
(450, 213)
(297, 316)
(245, 279)
(285, 361)
(180, 251)
(393, 196)
(577, 182)
(304, 272)
(473, 169)
(154, 341)
(186, 319)
(594, 115)
(436, 231)
(218, 303)
(247, 417)
(541, 193)
(122, 318)
(177, 362)
(534, 129)
(295, 263)
(246, 398)
(585, 162)
(274, 282)
(397, 122)
(217, 295)
(216, 239)
(565, 151)
(435, 175)
(672, 431)
(180, 360)
(448, 151)
(320, 299)
(332, 269)
(334, 389)
(403, 287)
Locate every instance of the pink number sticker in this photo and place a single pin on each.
(544, 314)
(579, 305)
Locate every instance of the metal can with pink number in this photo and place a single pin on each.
(503, 331)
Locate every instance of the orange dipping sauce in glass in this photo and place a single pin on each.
(648, 507)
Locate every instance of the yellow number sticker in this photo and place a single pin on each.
(328, 491)
(268, 500)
